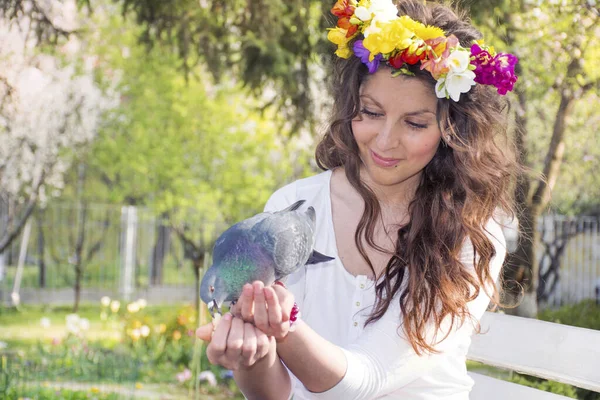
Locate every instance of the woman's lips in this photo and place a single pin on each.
(382, 161)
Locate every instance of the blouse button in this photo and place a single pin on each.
(357, 303)
(355, 323)
(362, 285)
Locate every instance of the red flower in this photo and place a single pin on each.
(342, 9)
(412, 58)
(396, 61)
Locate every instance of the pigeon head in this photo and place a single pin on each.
(213, 290)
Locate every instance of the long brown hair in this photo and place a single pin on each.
(462, 187)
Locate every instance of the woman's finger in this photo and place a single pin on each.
(261, 318)
(286, 301)
(250, 345)
(247, 303)
(263, 344)
(235, 340)
(273, 308)
(218, 345)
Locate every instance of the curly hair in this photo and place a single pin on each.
(461, 188)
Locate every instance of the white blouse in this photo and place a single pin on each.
(381, 362)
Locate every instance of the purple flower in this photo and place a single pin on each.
(364, 55)
(504, 66)
(498, 70)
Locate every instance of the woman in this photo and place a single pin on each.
(409, 203)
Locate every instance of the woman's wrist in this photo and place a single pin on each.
(266, 379)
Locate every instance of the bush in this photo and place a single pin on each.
(547, 386)
(584, 315)
(47, 393)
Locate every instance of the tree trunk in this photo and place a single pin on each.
(159, 252)
(77, 287)
(198, 263)
(81, 217)
(41, 249)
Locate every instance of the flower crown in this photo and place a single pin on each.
(402, 41)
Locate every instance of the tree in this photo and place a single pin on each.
(554, 42)
(193, 151)
(49, 108)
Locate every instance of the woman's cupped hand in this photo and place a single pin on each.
(248, 332)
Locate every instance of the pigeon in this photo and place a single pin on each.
(266, 247)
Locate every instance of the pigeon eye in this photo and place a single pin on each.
(212, 289)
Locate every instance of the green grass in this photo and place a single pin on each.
(33, 360)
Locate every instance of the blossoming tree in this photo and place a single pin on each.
(50, 108)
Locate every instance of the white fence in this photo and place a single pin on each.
(569, 257)
(128, 252)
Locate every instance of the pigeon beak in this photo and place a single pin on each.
(213, 308)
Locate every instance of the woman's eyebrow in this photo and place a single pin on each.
(422, 111)
(412, 113)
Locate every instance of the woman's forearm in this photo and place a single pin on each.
(267, 379)
(316, 362)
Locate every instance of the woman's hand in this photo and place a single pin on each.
(235, 344)
(268, 308)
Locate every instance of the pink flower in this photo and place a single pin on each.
(184, 376)
(498, 71)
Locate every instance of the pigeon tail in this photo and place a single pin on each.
(317, 257)
(294, 206)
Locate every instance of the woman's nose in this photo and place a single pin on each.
(387, 138)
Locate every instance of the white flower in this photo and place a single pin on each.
(385, 10)
(45, 322)
(142, 303)
(454, 84)
(378, 11)
(459, 60)
(145, 330)
(115, 305)
(362, 13)
(209, 377)
(135, 334)
(3, 345)
(84, 324)
(72, 323)
(133, 307)
(105, 301)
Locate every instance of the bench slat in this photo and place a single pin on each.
(487, 388)
(558, 352)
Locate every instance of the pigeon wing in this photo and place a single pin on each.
(288, 238)
(232, 236)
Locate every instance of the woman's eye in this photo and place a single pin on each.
(370, 113)
(414, 125)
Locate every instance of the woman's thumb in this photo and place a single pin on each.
(205, 332)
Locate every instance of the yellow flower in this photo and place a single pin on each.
(162, 328)
(392, 36)
(176, 335)
(424, 32)
(137, 324)
(343, 52)
(337, 36)
(138, 385)
(95, 390)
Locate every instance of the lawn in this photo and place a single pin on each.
(105, 353)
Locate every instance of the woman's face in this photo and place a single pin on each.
(396, 129)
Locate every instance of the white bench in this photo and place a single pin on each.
(547, 350)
